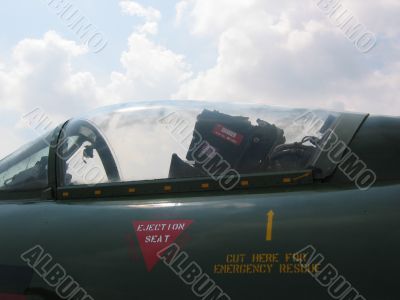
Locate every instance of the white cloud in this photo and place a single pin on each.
(290, 53)
(148, 28)
(151, 16)
(284, 53)
(151, 71)
(41, 74)
(181, 8)
(133, 8)
(13, 141)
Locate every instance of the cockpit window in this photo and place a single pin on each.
(190, 139)
(27, 168)
(85, 158)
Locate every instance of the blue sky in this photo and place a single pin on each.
(21, 19)
(288, 52)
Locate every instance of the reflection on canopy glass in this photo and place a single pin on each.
(27, 168)
(190, 139)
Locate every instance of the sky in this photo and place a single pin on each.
(312, 53)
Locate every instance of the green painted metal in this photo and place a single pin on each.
(188, 186)
(96, 242)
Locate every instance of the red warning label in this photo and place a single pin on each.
(227, 134)
(154, 236)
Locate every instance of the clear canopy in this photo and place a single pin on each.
(159, 140)
(173, 139)
(27, 168)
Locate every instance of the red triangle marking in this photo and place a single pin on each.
(154, 236)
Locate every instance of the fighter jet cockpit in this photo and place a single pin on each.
(222, 141)
(170, 140)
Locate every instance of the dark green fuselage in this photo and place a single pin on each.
(97, 243)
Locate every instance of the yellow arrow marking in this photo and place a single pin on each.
(270, 220)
